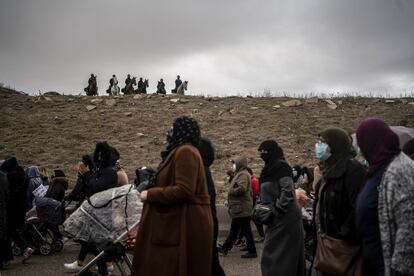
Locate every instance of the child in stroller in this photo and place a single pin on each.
(42, 227)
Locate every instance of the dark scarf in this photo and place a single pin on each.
(105, 155)
(9, 165)
(184, 130)
(378, 143)
(340, 145)
(275, 165)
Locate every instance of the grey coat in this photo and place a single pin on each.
(396, 216)
(283, 251)
(240, 193)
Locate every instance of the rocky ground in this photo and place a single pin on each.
(55, 131)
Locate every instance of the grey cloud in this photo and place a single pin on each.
(220, 46)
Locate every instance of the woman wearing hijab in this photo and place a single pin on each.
(385, 218)
(207, 153)
(283, 250)
(340, 182)
(176, 229)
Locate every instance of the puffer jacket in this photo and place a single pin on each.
(240, 194)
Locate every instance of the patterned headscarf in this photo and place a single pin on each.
(184, 130)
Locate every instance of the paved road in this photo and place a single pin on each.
(53, 265)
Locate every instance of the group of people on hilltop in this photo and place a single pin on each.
(141, 85)
(362, 209)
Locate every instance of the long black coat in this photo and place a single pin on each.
(16, 207)
(338, 195)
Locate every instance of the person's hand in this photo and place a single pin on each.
(317, 175)
(82, 169)
(143, 195)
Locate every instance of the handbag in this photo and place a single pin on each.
(263, 213)
(337, 257)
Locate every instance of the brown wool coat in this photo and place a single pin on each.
(175, 237)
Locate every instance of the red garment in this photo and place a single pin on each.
(255, 186)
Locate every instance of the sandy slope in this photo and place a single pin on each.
(55, 131)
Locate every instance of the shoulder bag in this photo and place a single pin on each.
(335, 256)
(263, 213)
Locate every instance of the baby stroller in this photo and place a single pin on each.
(108, 220)
(37, 231)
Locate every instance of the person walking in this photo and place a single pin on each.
(283, 250)
(240, 203)
(338, 178)
(207, 153)
(385, 205)
(176, 229)
(17, 204)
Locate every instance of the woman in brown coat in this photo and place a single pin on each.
(175, 236)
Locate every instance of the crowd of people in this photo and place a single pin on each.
(360, 196)
(92, 88)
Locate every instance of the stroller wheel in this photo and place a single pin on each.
(45, 249)
(16, 250)
(57, 245)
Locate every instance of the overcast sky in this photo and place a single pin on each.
(221, 47)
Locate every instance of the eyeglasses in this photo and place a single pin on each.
(263, 151)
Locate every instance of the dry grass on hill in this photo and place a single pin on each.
(55, 131)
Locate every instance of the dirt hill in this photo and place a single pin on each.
(55, 131)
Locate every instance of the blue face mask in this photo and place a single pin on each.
(321, 151)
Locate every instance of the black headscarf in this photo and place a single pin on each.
(184, 130)
(206, 150)
(9, 165)
(275, 165)
(105, 155)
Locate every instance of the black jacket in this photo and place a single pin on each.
(101, 181)
(16, 206)
(337, 199)
(78, 193)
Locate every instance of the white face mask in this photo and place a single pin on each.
(322, 151)
(234, 167)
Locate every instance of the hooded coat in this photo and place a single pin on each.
(18, 185)
(240, 193)
(176, 230)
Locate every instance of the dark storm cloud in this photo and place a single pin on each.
(219, 46)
